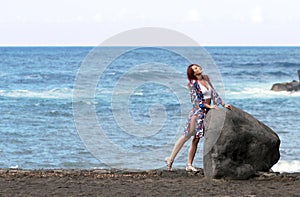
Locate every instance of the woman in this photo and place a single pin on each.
(201, 92)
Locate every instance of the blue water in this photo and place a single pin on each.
(38, 129)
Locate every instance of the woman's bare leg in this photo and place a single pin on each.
(192, 151)
(191, 155)
(180, 142)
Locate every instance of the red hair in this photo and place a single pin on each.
(190, 72)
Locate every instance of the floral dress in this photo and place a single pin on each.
(198, 110)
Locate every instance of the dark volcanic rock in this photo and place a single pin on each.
(236, 145)
(287, 86)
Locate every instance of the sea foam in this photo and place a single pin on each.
(256, 92)
(287, 166)
(55, 93)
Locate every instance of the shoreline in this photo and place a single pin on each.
(116, 182)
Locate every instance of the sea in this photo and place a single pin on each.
(125, 107)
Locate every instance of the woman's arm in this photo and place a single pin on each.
(217, 100)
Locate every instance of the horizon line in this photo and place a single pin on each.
(207, 45)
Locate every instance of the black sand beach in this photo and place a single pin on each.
(16, 182)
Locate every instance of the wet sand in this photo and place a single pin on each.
(16, 182)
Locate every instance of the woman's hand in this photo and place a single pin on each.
(214, 107)
(228, 106)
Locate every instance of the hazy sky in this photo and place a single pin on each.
(209, 22)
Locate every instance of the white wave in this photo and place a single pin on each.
(256, 92)
(55, 93)
(14, 167)
(287, 166)
(139, 93)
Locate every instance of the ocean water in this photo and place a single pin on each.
(129, 113)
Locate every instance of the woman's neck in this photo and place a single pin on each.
(199, 77)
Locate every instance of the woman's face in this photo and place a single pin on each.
(197, 70)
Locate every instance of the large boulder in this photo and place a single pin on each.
(236, 145)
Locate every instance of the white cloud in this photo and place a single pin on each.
(193, 15)
(98, 17)
(257, 15)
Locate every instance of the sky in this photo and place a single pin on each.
(90, 22)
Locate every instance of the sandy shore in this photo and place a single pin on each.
(15, 182)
